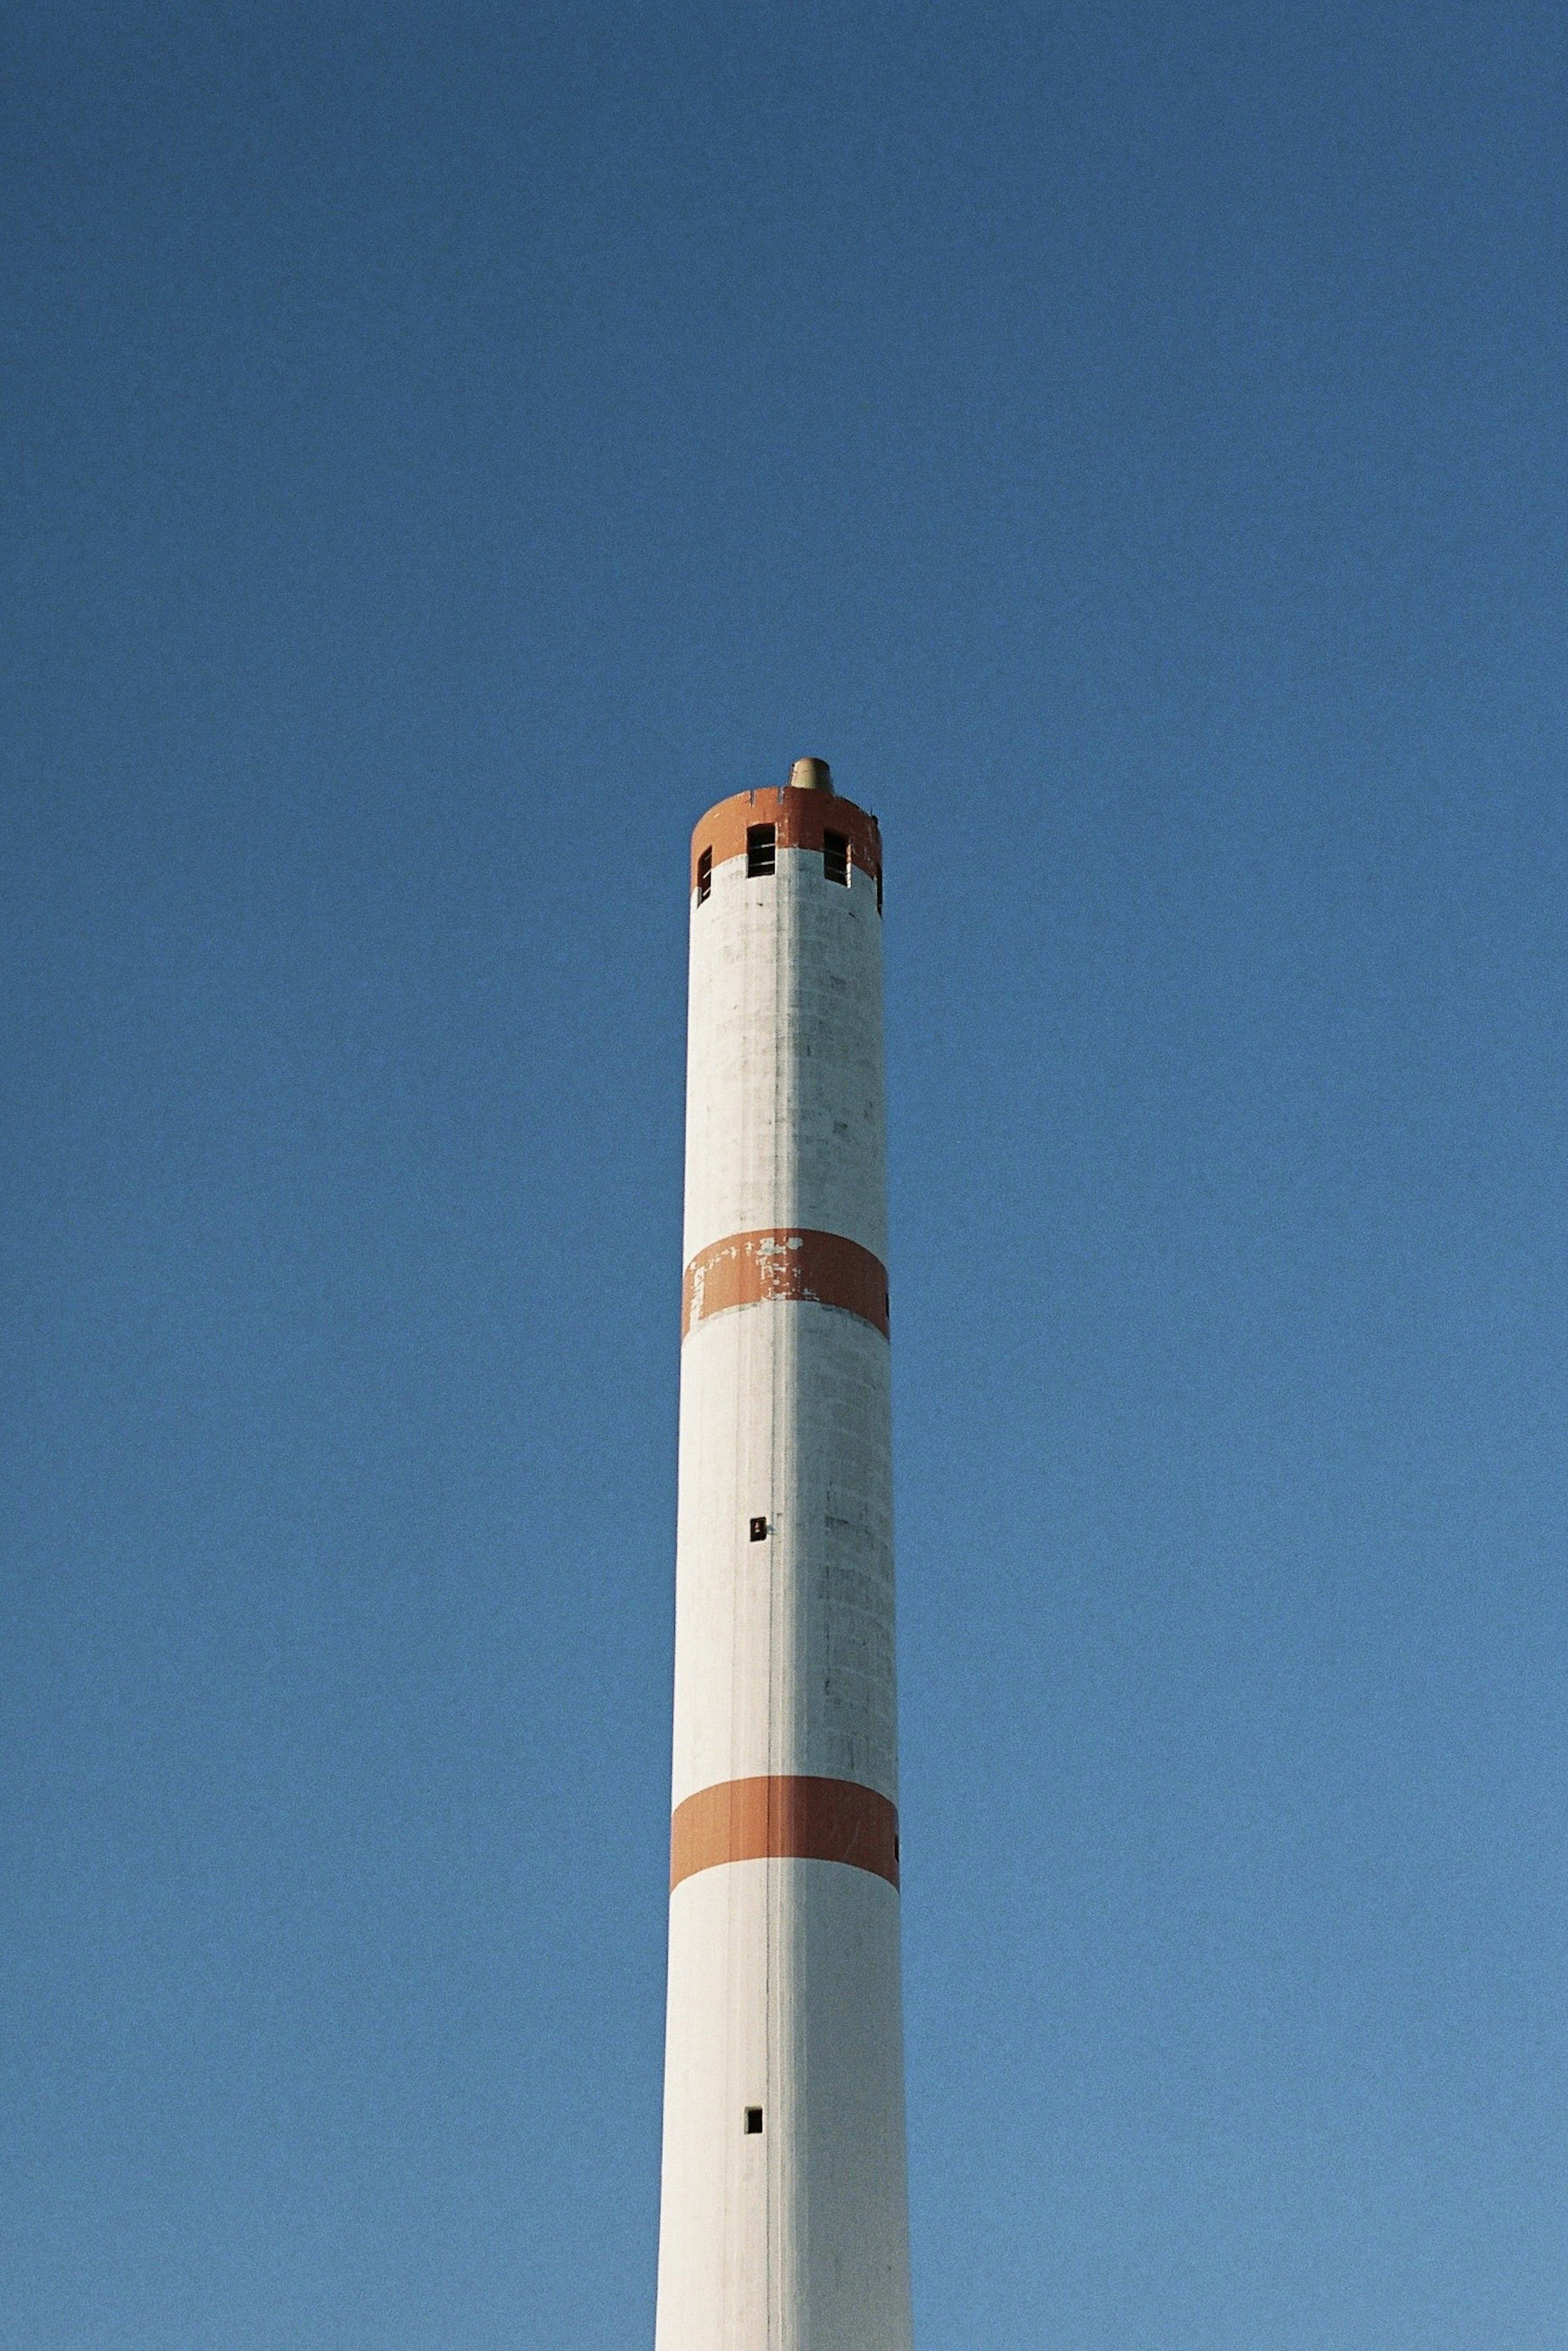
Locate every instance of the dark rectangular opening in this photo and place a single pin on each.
(836, 856)
(753, 2122)
(704, 877)
(759, 1530)
(879, 893)
(760, 842)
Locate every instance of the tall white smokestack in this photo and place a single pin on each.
(784, 2214)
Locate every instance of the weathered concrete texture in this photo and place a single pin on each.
(749, 1268)
(784, 1647)
(784, 1118)
(783, 1971)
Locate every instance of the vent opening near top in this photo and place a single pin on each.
(762, 842)
(836, 856)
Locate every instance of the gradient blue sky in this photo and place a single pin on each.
(445, 448)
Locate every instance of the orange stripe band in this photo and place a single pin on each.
(785, 1819)
(744, 1268)
(799, 820)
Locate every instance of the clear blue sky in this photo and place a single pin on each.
(444, 448)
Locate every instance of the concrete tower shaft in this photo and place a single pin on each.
(783, 2223)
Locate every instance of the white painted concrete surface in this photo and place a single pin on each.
(784, 1120)
(783, 1993)
(784, 1974)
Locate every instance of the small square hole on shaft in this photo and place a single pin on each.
(759, 1530)
(753, 2122)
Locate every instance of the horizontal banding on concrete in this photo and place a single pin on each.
(799, 818)
(744, 1268)
(785, 1819)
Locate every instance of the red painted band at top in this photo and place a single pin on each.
(747, 1269)
(799, 820)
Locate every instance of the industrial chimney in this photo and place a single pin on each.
(785, 2222)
